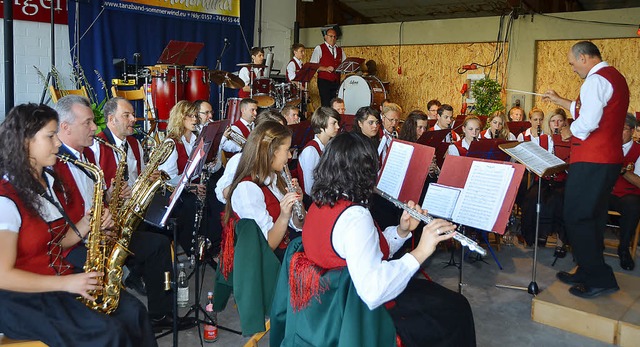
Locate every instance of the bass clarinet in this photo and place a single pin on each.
(464, 241)
(297, 205)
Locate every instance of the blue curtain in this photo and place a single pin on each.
(119, 34)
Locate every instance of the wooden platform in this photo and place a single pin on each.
(613, 319)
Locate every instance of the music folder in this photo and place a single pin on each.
(212, 136)
(537, 159)
(435, 139)
(518, 127)
(480, 193)
(405, 170)
(488, 149)
(561, 148)
(301, 134)
(180, 53)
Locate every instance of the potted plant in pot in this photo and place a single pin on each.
(487, 95)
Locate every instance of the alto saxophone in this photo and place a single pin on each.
(297, 205)
(116, 203)
(108, 297)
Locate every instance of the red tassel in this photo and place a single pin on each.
(227, 247)
(305, 281)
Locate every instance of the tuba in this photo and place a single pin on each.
(100, 256)
(116, 203)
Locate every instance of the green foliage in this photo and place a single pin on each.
(487, 94)
(98, 115)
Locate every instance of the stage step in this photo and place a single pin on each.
(613, 319)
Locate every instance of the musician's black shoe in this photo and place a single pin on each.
(626, 262)
(165, 322)
(560, 252)
(587, 292)
(542, 241)
(572, 279)
(136, 283)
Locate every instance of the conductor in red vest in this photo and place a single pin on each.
(596, 160)
(329, 56)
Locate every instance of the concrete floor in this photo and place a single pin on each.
(502, 316)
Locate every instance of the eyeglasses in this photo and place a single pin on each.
(205, 112)
(191, 116)
(393, 121)
(332, 36)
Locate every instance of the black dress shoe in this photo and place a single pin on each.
(136, 283)
(165, 322)
(542, 241)
(626, 262)
(587, 292)
(560, 252)
(568, 278)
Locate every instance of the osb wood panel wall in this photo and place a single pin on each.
(554, 72)
(428, 71)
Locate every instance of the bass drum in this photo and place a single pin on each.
(167, 88)
(358, 91)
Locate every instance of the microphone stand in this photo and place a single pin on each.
(221, 103)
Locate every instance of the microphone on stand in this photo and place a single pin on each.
(136, 60)
(226, 41)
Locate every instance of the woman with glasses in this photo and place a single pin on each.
(414, 126)
(183, 119)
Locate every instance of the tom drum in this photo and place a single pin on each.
(167, 88)
(262, 92)
(198, 84)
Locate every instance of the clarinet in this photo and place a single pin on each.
(556, 131)
(464, 241)
(297, 205)
(539, 130)
(201, 242)
(495, 134)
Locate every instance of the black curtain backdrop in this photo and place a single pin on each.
(120, 34)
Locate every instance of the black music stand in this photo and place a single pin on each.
(435, 139)
(180, 53)
(303, 76)
(488, 149)
(350, 65)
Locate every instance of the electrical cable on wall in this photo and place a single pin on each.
(400, 48)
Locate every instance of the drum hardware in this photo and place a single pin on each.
(251, 65)
(230, 80)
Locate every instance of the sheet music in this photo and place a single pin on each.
(535, 157)
(184, 179)
(483, 195)
(440, 200)
(395, 168)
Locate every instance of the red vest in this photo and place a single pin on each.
(544, 140)
(108, 162)
(243, 128)
(463, 151)
(298, 67)
(75, 203)
(604, 145)
(183, 157)
(33, 249)
(300, 174)
(327, 59)
(622, 186)
(317, 232)
(241, 93)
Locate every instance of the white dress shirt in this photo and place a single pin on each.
(227, 177)
(170, 166)
(536, 140)
(625, 150)
(291, 68)
(355, 238)
(317, 53)
(246, 78)
(230, 146)
(453, 150)
(309, 159)
(84, 182)
(595, 93)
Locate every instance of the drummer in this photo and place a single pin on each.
(295, 64)
(248, 76)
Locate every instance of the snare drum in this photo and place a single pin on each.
(198, 84)
(358, 91)
(262, 92)
(233, 109)
(167, 88)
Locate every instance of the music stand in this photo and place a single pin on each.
(488, 149)
(346, 122)
(435, 139)
(303, 76)
(180, 53)
(519, 127)
(350, 65)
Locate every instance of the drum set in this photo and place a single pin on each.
(270, 94)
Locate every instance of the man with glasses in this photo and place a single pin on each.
(338, 105)
(329, 56)
(444, 118)
(432, 108)
(390, 118)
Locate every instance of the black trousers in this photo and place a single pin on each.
(551, 209)
(58, 319)
(327, 90)
(629, 208)
(151, 258)
(585, 214)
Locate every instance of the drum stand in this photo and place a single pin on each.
(221, 102)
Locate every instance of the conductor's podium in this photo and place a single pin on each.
(613, 319)
(5, 341)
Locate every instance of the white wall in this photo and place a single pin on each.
(32, 47)
(278, 17)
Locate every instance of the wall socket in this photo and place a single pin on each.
(517, 100)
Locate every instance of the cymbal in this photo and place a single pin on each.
(251, 65)
(230, 80)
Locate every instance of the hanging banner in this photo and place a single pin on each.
(38, 11)
(215, 11)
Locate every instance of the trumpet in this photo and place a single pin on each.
(236, 137)
(297, 205)
(464, 241)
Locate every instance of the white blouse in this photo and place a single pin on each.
(170, 166)
(309, 159)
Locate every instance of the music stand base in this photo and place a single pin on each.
(532, 289)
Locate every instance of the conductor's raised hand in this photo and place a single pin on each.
(432, 234)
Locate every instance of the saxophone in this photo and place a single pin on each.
(116, 203)
(133, 210)
(108, 297)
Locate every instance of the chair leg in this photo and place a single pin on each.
(253, 341)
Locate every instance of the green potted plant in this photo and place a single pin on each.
(487, 95)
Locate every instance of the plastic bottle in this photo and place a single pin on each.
(183, 287)
(210, 330)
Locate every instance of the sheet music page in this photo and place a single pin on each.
(395, 169)
(183, 180)
(483, 195)
(440, 200)
(535, 157)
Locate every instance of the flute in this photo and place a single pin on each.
(464, 241)
(297, 205)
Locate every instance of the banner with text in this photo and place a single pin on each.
(38, 11)
(214, 11)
